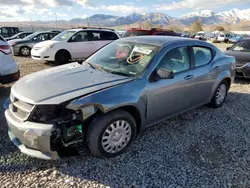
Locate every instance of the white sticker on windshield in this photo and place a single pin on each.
(142, 50)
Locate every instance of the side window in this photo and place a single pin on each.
(105, 35)
(202, 56)
(41, 37)
(176, 60)
(94, 35)
(80, 37)
(51, 35)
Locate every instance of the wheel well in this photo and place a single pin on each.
(228, 80)
(24, 47)
(63, 51)
(136, 115)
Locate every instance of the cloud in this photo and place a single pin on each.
(85, 3)
(122, 8)
(50, 3)
(197, 5)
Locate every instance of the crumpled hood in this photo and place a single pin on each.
(63, 83)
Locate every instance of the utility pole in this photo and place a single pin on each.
(56, 19)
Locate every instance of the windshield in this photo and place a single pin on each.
(30, 36)
(66, 35)
(123, 58)
(242, 46)
(135, 33)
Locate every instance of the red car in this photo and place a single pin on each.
(153, 31)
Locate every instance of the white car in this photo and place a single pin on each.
(224, 37)
(8, 68)
(73, 44)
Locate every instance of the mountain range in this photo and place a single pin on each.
(208, 17)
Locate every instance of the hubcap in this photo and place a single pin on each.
(116, 136)
(25, 51)
(221, 94)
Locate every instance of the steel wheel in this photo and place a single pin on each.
(25, 51)
(116, 136)
(221, 94)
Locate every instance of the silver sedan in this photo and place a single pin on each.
(125, 87)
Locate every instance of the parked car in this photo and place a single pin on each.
(235, 39)
(125, 87)
(8, 68)
(23, 46)
(222, 37)
(241, 51)
(73, 44)
(20, 35)
(153, 31)
(8, 31)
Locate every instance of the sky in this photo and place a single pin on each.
(26, 10)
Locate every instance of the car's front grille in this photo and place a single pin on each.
(19, 108)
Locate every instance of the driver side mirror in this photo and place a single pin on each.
(228, 48)
(164, 74)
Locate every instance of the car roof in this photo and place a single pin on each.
(155, 40)
(90, 29)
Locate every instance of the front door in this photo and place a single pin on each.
(80, 46)
(168, 97)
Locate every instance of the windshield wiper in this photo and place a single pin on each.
(96, 67)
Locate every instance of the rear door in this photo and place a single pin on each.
(204, 74)
(79, 45)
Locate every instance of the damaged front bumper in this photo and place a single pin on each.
(31, 138)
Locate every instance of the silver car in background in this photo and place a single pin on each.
(125, 87)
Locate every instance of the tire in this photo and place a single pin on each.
(100, 125)
(217, 102)
(25, 51)
(62, 57)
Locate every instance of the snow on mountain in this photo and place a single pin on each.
(204, 13)
(207, 16)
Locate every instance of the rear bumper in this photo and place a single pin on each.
(244, 71)
(31, 138)
(5, 79)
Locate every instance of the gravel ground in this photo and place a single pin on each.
(201, 148)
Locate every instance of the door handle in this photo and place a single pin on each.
(217, 67)
(189, 77)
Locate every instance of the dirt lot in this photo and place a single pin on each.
(201, 148)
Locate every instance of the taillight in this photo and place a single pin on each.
(5, 49)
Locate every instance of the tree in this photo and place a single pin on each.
(175, 28)
(147, 25)
(219, 28)
(197, 26)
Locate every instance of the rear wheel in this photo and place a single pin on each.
(110, 134)
(25, 51)
(62, 57)
(219, 95)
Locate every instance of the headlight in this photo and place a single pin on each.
(48, 46)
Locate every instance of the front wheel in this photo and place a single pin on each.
(62, 57)
(219, 95)
(25, 51)
(110, 134)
